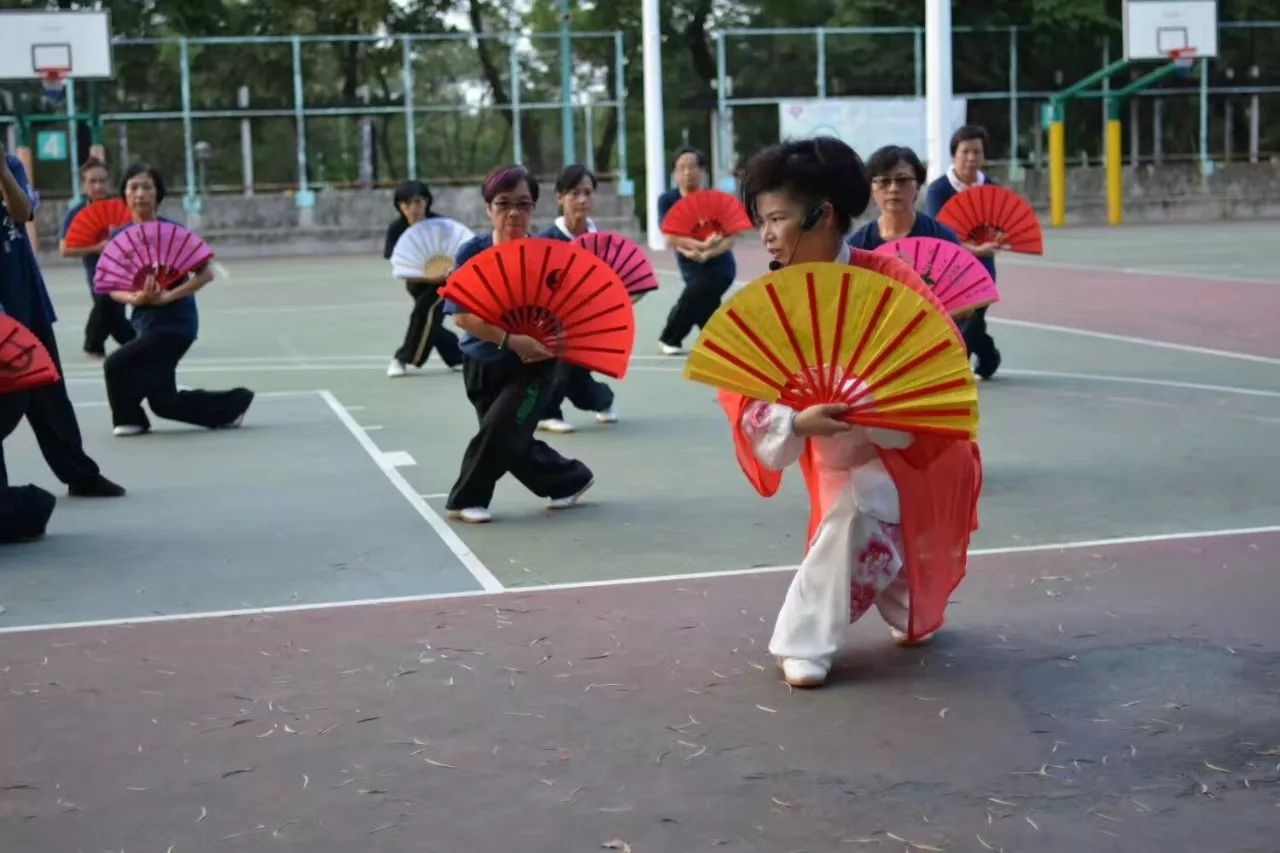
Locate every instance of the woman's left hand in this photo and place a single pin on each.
(151, 293)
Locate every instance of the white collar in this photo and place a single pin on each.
(959, 185)
(845, 255)
(564, 228)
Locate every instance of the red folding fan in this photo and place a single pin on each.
(95, 222)
(705, 212)
(556, 292)
(624, 257)
(24, 361)
(994, 214)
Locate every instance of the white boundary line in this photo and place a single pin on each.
(1204, 277)
(1127, 339)
(465, 555)
(521, 590)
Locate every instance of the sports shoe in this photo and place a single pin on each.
(471, 515)
(668, 349)
(125, 430)
(571, 500)
(800, 672)
(555, 425)
(608, 416)
(987, 368)
(901, 638)
(396, 368)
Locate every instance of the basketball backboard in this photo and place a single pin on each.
(76, 44)
(1154, 29)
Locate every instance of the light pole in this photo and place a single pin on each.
(937, 87)
(654, 145)
(566, 87)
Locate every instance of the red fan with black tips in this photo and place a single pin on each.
(704, 213)
(24, 362)
(556, 292)
(994, 214)
(95, 223)
(624, 257)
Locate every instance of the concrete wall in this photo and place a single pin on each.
(356, 220)
(343, 221)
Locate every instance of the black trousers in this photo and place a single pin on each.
(52, 419)
(426, 329)
(578, 386)
(978, 341)
(146, 369)
(106, 319)
(508, 398)
(697, 302)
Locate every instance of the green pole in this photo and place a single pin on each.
(1015, 168)
(191, 202)
(566, 87)
(406, 79)
(620, 94)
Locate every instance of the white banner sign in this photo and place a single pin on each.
(864, 123)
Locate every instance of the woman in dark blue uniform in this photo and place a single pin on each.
(968, 156)
(48, 409)
(896, 177)
(107, 318)
(707, 266)
(575, 194)
(166, 322)
(426, 329)
(508, 379)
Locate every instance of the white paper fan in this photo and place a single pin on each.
(426, 250)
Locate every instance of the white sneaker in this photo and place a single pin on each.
(900, 638)
(668, 349)
(236, 424)
(609, 416)
(396, 369)
(799, 672)
(471, 515)
(565, 503)
(555, 425)
(125, 430)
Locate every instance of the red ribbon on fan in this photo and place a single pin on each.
(25, 364)
(556, 292)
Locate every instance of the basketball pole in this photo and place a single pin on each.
(654, 144)
(938, 87)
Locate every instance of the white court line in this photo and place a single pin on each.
(1208, 277)
(398, 459)
(371, 427)
(451, 539)
(1127, 339)
(435, 497)
(522, 590)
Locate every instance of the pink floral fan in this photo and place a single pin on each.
(624, 257)
(959, 280)
(163, 249)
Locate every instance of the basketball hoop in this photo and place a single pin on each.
(1183, 58)
(54, 81)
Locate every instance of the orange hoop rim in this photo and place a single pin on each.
(1184, 56)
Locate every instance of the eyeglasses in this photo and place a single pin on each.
(900, 181)
(509, 206)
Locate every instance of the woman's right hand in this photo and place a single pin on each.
(528, 349)
(821, 420)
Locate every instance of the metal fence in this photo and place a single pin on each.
(208, 108)
(1204, 110)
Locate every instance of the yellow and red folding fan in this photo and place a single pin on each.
(95, 222)
(835, 333)
(556, 292)
(994, 214)
(705, 212)
(24, 362)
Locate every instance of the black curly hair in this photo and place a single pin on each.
(816, 171)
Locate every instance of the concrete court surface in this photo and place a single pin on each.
(1132, 406)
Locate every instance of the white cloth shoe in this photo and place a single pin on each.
(471, 515)
(668, 349)
(900, 638)
(555, 425)
(565, 503)
(609, 416)
(125, 430)
(396, 369)
(799, 672)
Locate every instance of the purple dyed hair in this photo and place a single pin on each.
(504, 179)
